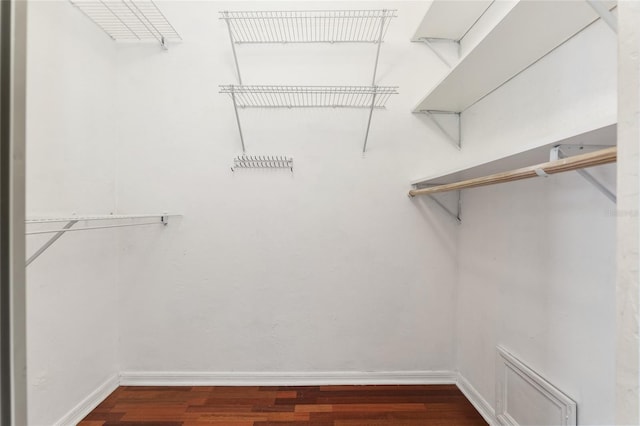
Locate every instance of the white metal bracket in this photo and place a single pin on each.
(603, 11)
(455, 213)
(560, 151)
(450, 126)
(51, 240)
(433, 44)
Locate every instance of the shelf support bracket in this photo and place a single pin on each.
(454, 214)
(235, 109)
(604, 12)
(454, 136)
(557, 154)
(428, 41)
(373, 105)
(380, 34)
(48, 244)
(233, 47)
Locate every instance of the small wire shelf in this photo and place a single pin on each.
(262, 162)
(309, 26)
(129, 20)
(309, 96)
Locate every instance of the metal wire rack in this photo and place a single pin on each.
(309, 96)
(133, 220)
(262, 162)
(308, 26)
(129, 20)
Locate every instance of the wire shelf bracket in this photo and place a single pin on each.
(310, 26)
(248, 96)
(451, 128)
(262, 162)
(73, 220)
(132, 20)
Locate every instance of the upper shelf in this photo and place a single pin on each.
(529, 31)
(599, 138)
(309, 26)
(309, 96)
(450, 20)
(129, 20)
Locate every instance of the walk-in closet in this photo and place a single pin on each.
(337, 213)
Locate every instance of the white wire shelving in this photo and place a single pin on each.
(71, 221)
(139, 20)
(262, 96)
(308, 26)
(262, 162)
(309, 96)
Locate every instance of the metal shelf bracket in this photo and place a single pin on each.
(455, 213)
(451, 129)
(51, 240)
(560, 151)
(432, 43)
(603, 11)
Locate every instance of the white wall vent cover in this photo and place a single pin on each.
(525, 398)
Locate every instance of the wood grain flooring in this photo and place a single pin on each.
(437, 405)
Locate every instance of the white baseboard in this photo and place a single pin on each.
(153, 378)
(159, 378)
(484, 408)
(85, 406)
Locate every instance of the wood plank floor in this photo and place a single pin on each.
(438, 405)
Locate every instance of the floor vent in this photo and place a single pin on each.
(523, 397)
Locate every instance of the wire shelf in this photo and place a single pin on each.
(94, 217)
(129, 20)
(309, 96)
(262, 162)
(309, 26)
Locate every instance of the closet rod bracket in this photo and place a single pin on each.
(559, 152)
(455, 213)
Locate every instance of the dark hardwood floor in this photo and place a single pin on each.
(441, 405)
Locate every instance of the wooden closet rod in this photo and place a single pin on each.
(597, 158)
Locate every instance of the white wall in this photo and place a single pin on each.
(71, 136)
(537, 257)
(331, 268)
(628, 289)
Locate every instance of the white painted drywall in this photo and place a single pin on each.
(537, 257)
(71, 142)
(628, 297)
(331, 268)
